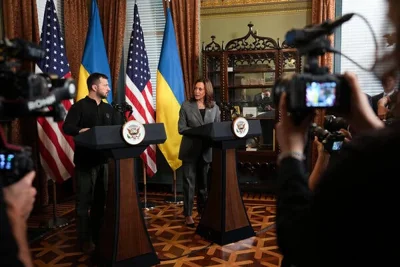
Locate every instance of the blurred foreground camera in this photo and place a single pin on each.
(314, 88)
(26, 94)
(308, 91)
(332, 141)
(15, 162)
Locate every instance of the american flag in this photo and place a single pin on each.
(56, 149)
(138, 90)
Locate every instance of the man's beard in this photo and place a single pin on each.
(102, 96)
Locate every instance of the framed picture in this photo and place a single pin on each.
(249, 112)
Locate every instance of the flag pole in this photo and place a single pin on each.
(174, 199)
(56, 222)
(146, 205)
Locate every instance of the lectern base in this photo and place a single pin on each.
(223, 238)
(149, 259)
(224, 218)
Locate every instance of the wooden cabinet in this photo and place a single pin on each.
(242, 71)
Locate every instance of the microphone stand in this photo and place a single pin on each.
(56, 222)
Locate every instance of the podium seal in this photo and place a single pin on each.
(240, 127)
(133, 132)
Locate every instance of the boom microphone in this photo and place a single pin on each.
(296, 37)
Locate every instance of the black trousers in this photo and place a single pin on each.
(92, 185)
(195, 176)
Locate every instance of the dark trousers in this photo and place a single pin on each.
(195, 176)
(92, 184)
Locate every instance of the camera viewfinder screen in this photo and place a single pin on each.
(337, 145)
(6, 161)
(320, 94)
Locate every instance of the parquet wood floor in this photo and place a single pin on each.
(175, 244)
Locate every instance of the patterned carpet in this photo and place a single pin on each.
(175, 244)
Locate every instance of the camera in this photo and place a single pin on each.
(14, 164)
(332, 141)
(333, 123)
(24, 94)
(315, 88)
(308, 91)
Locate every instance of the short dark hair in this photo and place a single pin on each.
(94, 78)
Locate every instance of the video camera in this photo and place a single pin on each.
(315, 87)
(332, 141)
(333, 123)
(26, 94)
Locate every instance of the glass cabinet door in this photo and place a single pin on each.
(251, 77)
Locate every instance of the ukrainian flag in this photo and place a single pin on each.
(170, 94)
(94, 55)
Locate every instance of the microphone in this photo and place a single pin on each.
(127, 109)
(296, 37)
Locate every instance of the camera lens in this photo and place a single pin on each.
(333, 123)
(319, 132)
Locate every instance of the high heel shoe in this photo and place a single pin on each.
(190, 225)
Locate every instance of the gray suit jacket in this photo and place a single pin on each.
(189, 117)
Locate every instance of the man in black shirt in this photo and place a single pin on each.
(91, 169)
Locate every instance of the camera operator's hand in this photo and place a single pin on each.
(291, 137)
(382, 107)
(83, 130)
(347, 135)
(320, 147)
(320, 165)
(361, 116)
(20, 196)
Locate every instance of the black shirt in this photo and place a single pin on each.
(86, 114)
(202, 112)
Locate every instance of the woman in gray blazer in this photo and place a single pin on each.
(195, 155)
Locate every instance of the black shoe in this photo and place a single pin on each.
(190, 225)
(87, 247)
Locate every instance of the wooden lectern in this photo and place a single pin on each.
(124, 240)
(224, 218)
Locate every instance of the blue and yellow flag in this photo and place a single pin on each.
(170, 94)
(94, 55)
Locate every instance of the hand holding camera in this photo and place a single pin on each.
(20, 196)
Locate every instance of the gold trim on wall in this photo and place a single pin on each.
(226, 8)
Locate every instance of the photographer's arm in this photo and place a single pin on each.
(320, 165)
(295, 226)
(70, 126)
(294, 221)
(361, 116)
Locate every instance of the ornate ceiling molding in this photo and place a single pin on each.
(224, 8)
